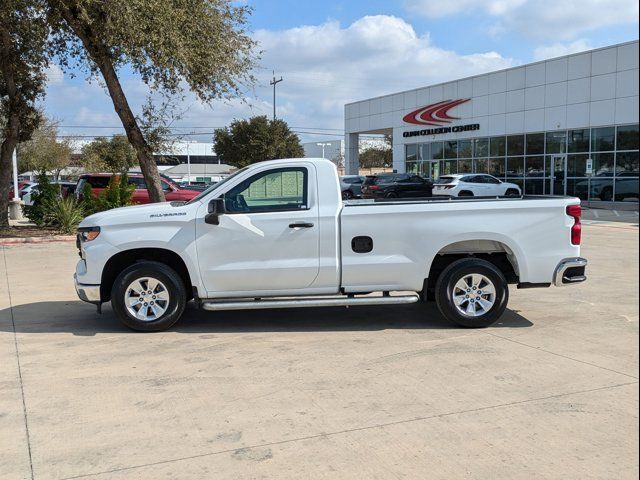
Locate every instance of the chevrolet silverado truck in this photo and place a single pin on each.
(277, 234)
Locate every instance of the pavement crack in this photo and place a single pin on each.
(561, 355)
(17, 350)
(352, 430)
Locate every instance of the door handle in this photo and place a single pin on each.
(300, 225)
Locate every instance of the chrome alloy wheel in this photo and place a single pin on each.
(474, 295)
(146, 299)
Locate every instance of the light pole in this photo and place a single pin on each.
(188, 166)
(15, 207)
(327, 144)
(274, 82)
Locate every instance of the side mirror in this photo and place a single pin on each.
(216, 208)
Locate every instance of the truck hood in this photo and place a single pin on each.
(138, 214)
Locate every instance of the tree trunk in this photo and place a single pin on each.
(6, 154)
(100, 54)
(11, 131)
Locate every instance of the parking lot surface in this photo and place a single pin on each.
(551, 391)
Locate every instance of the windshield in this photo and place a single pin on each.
(206, 192)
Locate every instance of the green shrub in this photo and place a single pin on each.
(43, 199)
(117, 194)
(65, 214)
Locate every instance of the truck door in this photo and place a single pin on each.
(268, 238)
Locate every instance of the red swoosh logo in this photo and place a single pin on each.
(434, 114)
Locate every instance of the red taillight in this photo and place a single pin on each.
(576, 230)
(374, 187)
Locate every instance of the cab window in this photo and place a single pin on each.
(278, 190)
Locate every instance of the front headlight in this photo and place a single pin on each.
(86, 234)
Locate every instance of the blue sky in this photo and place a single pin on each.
(333, 52)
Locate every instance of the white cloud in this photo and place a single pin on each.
(564, 19)
(325, 66)
(561, 49)
(54, 74)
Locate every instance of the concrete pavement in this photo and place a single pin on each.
(551, 391)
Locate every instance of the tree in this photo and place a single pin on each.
(44, 152)
(200, 43)
(23, 34)
(376, 157)
(249, 141)
(115, 155)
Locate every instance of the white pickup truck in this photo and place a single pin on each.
(277, 234)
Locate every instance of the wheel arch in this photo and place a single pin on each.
(121, 260)
(496, 251)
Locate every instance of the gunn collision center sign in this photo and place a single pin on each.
(437, 115)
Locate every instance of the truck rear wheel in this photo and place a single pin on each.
(472, 293)
(148, 296)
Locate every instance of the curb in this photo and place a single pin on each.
(23, 240)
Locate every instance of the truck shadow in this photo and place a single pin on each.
(81, 319)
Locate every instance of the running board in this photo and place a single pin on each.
(342, 301)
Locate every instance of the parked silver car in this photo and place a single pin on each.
(351, 186)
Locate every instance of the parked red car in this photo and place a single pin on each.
(20, 185)
(99, 181)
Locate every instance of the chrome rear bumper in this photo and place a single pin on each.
(570, 271)
(87, 293)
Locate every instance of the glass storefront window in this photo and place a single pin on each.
(412, 167)
(603, 164)
(556, 142)
(497, 146)
(425, 150)
(464, 149)
(437, 150)
(515, 145)
(496, 167)
(515, 167)
(534, 187)
(535, 143)
(465, 166)
(481, 165)
(577, 165)
(481, 147)
(627, 164)
(627, 138)
(449, 167)
(534, 167)
(451, 149)
(411, 153)
(626, 189)
(578, 140)
(578, 187)
(600, 188)
(602, 139)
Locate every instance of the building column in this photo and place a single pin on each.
(351, 160)
(398, 158)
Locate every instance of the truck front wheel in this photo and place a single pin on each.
(148, 296)
(472, 293)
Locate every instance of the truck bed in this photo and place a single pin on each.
(408, 234)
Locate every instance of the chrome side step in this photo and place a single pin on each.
(302, 302)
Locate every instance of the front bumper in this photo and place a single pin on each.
(570, 271)
(87, 293)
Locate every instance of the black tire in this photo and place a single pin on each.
(512, 192)
(159, 271)
(456, 271)
(391, 195)
(465, 193)
(606, 195)
(347, 195)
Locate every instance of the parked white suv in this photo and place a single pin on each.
(475, 185)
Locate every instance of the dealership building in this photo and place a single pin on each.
(565, 126)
